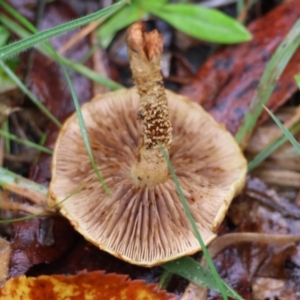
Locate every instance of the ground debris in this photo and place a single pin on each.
(227, 81)
(83, 286)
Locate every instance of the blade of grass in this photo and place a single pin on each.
(285, 131)
(84, 132)
(195, 272)
(200, 22)
(26, 91)
(41, 213)
(268, 80)
(6, 140)
(15, 183)
(42, 143)
(118, 21)
(17, 16)
(47, 50)
(24, 44)
(4, 35)
(217, 278)
(89, 73)
(272, 147)
(12, 137)
(297, 78)
(164, 279)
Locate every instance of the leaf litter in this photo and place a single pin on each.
(271, 271)
(227, 81)
(83, 286)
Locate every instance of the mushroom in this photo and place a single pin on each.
(143, 221)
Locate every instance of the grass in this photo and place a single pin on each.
(10, 177)
(185, 262)
(28, 143)
(84, 134)
(24, 44)
(267, 83)
(47, 50)
(27, 92)
(272, 147)
(185, 267)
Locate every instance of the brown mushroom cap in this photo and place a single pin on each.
(145, 225)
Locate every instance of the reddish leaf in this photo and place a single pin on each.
(225, 84)
(48, 82)
(95, 285)
(37, 241)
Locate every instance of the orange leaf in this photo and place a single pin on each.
(83, 286)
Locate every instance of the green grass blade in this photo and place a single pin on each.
(5, 127)
(50, 52)
(195, 272)
(185, 205)
(20, 219)
(265, 153)
(17, 16)
(272, 147)
(268, 80)
(4, 35)
(16, 47)
(118, 21)
(297, 78)
(285, 131)
(164, 280)
(8, 177)
(201, 22)
(84, 132)
(41, 213)
(12, 137)
(90, 74)
(27, 92)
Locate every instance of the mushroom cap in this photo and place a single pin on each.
(145, 225)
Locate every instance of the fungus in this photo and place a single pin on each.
(143, 221)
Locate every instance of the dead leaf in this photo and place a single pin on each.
(84, 286)
(47, 79)
(270, 288)
(38, 240)
(226, 83)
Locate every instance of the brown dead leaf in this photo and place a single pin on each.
(38, 240)
(84, 286)
(47, 80)
(227, 81)
(270, 288)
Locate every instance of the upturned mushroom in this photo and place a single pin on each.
(143, 221)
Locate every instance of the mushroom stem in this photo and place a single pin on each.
(144, 51)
